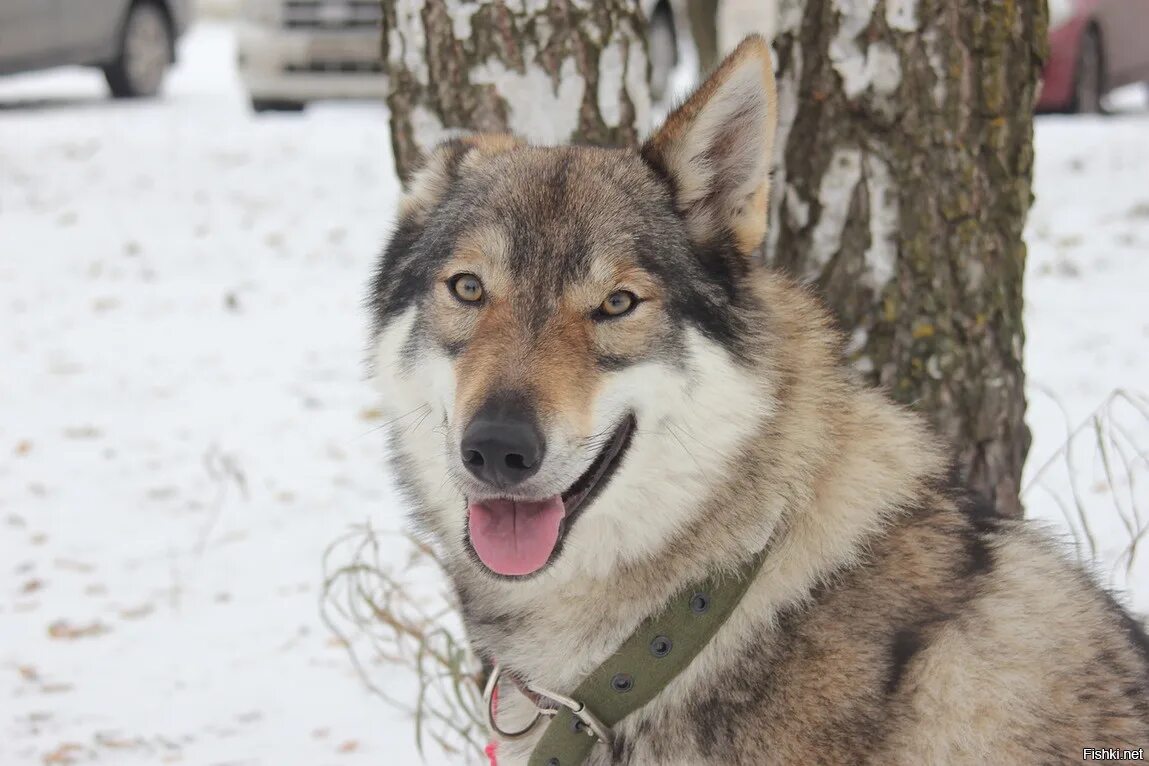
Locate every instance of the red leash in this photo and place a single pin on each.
(492, 745)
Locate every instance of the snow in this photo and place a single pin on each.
(184, 424)
(1087, 324)
(185, 427)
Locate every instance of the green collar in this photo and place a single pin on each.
(658, 650)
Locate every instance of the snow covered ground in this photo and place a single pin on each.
(184, 426)
(1087, 325)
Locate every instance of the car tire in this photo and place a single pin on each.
(147, 49)
(663, 42)
(261, 105)
(1089, 75)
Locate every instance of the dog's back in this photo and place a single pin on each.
(961, 638)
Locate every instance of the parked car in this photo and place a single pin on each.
(668, 22)
(133, 41)
(1094, 47)
(295, 51)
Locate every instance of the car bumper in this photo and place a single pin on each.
(1060, 71)
(310, 65)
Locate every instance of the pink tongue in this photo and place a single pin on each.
(513, 537)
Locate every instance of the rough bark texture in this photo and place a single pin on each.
(550, 72)
(906, 157)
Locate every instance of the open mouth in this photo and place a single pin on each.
(519, 537)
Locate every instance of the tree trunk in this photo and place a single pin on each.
(551, 72)
(906, 160)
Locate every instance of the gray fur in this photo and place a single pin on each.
(893, 620)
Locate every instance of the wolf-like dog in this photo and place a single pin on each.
(600, 397)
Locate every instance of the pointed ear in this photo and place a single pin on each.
(442, 166)
(717, 148)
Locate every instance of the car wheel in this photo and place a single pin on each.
(663, 51)
(146, 51)
(261, 105)
(1089, 78)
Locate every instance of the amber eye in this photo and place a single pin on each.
(618, 304)
(466, 287)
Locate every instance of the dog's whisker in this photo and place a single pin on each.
(670, 428)
(392, 421)
(415, 426)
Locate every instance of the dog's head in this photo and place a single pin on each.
(563, 334)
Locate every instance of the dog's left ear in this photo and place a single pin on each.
(716, 150)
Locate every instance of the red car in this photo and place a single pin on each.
(1094, 47)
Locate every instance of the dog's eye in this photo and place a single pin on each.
(619, 303)
(466, 287)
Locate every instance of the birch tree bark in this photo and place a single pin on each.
(906, 160)
(551, 72)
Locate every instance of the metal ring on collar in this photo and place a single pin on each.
(595, 727)
(489, 704)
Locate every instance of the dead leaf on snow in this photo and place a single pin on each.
(62, 629)
(350, 746)
(114, 742)
(66, 753)
(136, 613)
(23, 447)
(56, 688)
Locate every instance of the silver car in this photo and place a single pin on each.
(133, 41)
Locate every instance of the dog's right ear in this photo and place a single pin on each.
(442, 166)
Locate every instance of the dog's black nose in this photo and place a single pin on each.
(502, 444)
